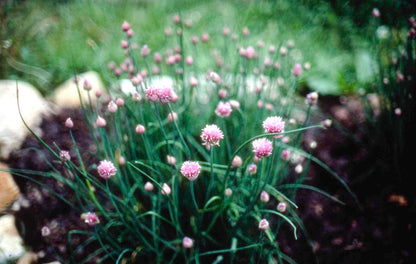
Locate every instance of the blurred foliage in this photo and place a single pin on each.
(47, 41)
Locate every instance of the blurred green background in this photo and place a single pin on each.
(45, 42)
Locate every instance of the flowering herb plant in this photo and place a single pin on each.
(194, 169)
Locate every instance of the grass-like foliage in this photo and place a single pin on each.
(202, 170)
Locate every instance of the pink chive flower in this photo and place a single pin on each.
(100, 122)
(193, 81)
(106, 169)
(64, 156)
(176, 19)
(252, 168)
(69, 123)
(246, 32)
(120, 102)
(285, 154)
(312, 98)
(249, 52)
(164, 94)
(194, 39)
(140, 129)
(211, 135)
(234, 104)
(87, 85)
(136, 97)
(45, 231)
(326, 123)
(90, 218)
(285, 140)
(145, 51)
(222, 93)
(172, 117)
(264, 196)
(262, 147)
(297, 70)
(122, 161)
(226, 31)
(398, 111)
(148, 186)
(274, 124)
(187, 242)
(283, 51)
(215, 77)
(124, 44)
(151, 94)
(125, 26)
(191, 170)
(112, 107)
(166, 190)
(223, 109)
(171, 160)
(228, 192)
(375, 13)
(205, 37)
(157, 57)
(98, 93)
(189, 60)
(281, 207)
(237, 162)
(263, 224)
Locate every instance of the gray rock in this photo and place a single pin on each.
(33, 106)
(66, 95)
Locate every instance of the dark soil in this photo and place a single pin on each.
(378, 229)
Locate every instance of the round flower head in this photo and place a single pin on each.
(312, 98)
(262, 147)
(286, 154)
(234, 104)
(145, 51)
(172, 117)
(106, 169)
(191, 170)
(211, 135)
(112, 107)
(125, 26)
(228, 192)
(171, 160)
(90, 218)
(281, 207)
(187, 242)
(100, 122)
(297, 70)
(223, 109)
(148, 186)
(119, 102)
(64, 156)
(264, 224)
(87, 85)
(264, 196)
(193, 81)
(274, 124)
(166, 190)
(164, 94)
(69, 123)
(237, 162)
(140, 129)
(45, 231)
(398, 111)
(151, 94)
(252, 169)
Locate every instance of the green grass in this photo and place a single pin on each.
(81, 35)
